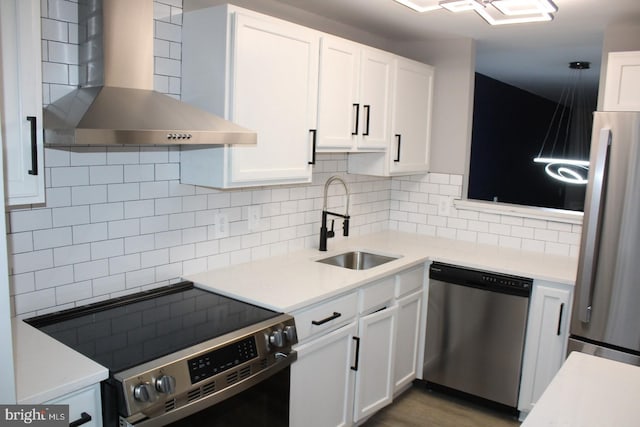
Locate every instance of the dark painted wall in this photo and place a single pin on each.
(509, 126)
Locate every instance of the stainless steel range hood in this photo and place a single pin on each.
(116, 103)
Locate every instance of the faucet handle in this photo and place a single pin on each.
(331, 233)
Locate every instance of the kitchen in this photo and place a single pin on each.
(118, 220)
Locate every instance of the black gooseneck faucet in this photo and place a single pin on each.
(324, 232)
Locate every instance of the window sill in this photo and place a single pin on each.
(548, 214)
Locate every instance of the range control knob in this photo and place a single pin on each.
(142, 392)
(276, 338)
(290, 334)
(166, 384)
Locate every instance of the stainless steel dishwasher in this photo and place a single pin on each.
(476, 322)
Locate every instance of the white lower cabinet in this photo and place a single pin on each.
(85, 407)
(546, 340)
(322, 380)
(374, 379)
(356, 351)
(407, 339)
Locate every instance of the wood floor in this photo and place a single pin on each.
(419, 407)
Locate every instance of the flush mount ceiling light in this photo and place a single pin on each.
(501, 12)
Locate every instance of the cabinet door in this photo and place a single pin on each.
(374, 379)
(322, 380)
(407, 339)
(273, 91)
(376, 76)
(546, 341)
(413, 95)
(622, 86)
(338, 108)
(83, 404)
(22, 100)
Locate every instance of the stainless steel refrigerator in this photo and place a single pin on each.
(606, 313)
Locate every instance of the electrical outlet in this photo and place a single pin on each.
(220, 225)
(444, 205)
(253, 218)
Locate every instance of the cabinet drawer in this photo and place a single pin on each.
(86, 401)
(325, 316)
(377, 295)
(409, 281)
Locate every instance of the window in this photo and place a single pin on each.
(509, 125)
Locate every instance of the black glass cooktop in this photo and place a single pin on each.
(128, 331)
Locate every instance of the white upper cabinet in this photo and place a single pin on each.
(622, 86)
(411, 123)
(261, 73)
(407, 151)
(21, 109)
(354, 96)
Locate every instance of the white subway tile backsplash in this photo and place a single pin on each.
(139, 208)
(123, 192)
(55, 73)
(91, 270)
(154, 190)
(53, 277)
(51, 238)
(58, 197)
(70, 216)
(107, 249)
(27, 220)
(62, 10)
(108, 284)
(20, 242)
(73, 292)
(55, 30)
(106, 212)
(22, 283)
(154, 224)
(154, 154)
(155, 258)
(72, 254)
(88, 195)
(124, 263)
(69, 176)
(139, 173)
(106, 174)
(31, 261)
(123, 155)
(124, 228)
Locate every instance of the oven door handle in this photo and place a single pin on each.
(283, 361)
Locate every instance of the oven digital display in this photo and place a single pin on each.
(217, 361)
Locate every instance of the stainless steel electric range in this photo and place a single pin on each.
(182, 355)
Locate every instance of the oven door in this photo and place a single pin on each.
(261, 400)
(265, 404)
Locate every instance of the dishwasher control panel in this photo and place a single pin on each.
(491, 281)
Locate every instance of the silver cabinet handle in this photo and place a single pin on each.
(593, 225)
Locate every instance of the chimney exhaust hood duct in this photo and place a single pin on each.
(116, 103)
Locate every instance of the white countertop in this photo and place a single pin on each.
(589, 391)
(289, 282)
(47, 369)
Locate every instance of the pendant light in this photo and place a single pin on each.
(565, 148)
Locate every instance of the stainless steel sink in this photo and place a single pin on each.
(357, 260)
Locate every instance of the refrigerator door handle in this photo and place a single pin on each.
(587, 273)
